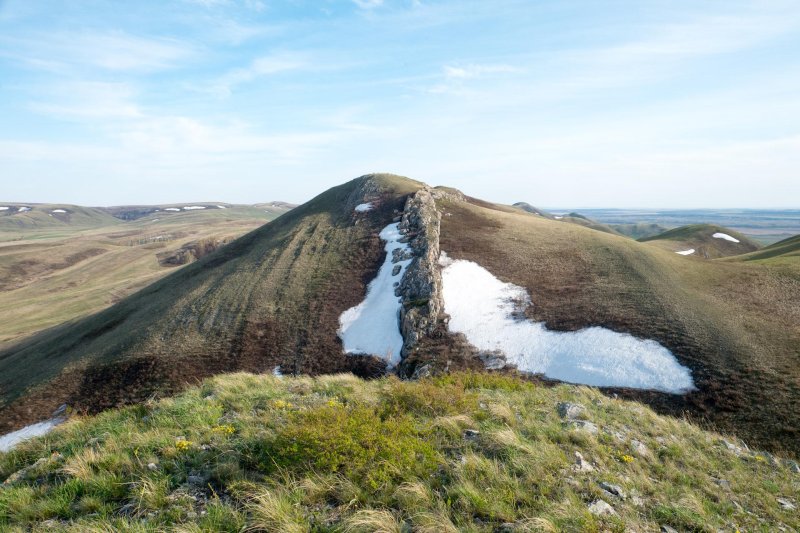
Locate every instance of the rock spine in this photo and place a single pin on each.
(420, 289)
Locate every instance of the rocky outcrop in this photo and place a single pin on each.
(421, 286)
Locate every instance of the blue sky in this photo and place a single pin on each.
(557, 103)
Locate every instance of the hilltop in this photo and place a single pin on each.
(385, 274)
(463, 452)
(707, 241)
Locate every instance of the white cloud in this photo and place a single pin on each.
(89, 100)
(368, 4)
(466, 72)
(262, 66)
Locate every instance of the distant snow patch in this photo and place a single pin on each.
(277, 371)
(59, 211)
(372, 327)
(171, 209)
(690, 251)
(362, 208)
(156, 219)
(10, 440)
(725, 236)
(193, 207)
(3, 208)
(221, 207)
(23, 209)
(558, 217)
(483, 308)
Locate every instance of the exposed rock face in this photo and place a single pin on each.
(421, 286)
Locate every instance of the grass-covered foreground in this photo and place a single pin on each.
(465, 452)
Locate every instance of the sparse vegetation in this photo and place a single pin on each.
(335, 453)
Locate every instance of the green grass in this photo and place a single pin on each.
(779, 251)
(336, 453)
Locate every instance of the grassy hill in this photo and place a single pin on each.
(42, 221)
(700, 237)
(782, 251)
(464, 452)
(734, 324)
(639, 230)
(69, 269)
(525, 206)
(272, 297)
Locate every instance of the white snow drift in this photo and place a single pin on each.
(10, 440)
(3, 208)
(361, 208)
(193, 207)
(725, 236)
(59, 211)
(23, 209)
(221, 207)
(482, 308)
(690, 251)
(372, 327)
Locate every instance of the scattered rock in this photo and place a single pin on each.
(792, 466)
(637, 501)
(601, 508)
(583, 425)
(786, 504)
(152, 467)
(196, 480)
(492, 360)
(614, 490)
(640, 449)
(471, 433)
(570, 411)
(581, 464)
(733, 448)
(422, 371)
(24, 472)
(396, 270)
(667, 529)
(723, 483)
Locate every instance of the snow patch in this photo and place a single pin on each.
(362, 208)
(373, 326)
(690, 251)
(171, 209)
(277, 372)
(483, 308)
(3, 208)
(193, 207)
(10, 440)
(558, 217)
(59, 211)
(725, 236)
(23, 209)
(221, 207)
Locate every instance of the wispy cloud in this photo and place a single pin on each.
(259, 67)
(81, 100)
(368, 4)
(465, 72)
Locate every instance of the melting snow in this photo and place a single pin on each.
(725, 236)
(558, 217)
(171, 209)
(482, 308)
(361, 208)
(690, 251)
(3, 208)
(58, 211)
(193, 207)
(23, 209)
(221, 207)
(277, 371)
(10, 440)
(372, 327)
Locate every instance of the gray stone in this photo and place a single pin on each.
(723, 483)
(570, 411)
(639, 448)
(612, 489)
(583, 425)
(581, 464)
(792, 466)
(396, 270)
(152, 467)
(786, 504)
(667, 529)
(601, 508)
(492, 360)
(196, 480)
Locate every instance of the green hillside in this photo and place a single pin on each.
(49, 220)
(779, 251)
(734, 324)
(700, 238)
(639, 230)
(465, 452)
(272, 297)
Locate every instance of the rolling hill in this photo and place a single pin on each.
(779, 251)
(717, 341)
(707, 241)
(59, 270)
